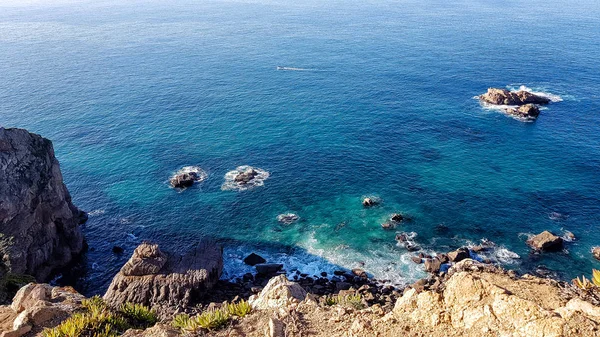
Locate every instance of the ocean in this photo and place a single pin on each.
(373, 98)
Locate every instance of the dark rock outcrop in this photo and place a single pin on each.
(39, 225)
(527, 111)
(505, 97)
(254, 259)
(546, 241)
(152, 277)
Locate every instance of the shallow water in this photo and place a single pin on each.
(130, 93)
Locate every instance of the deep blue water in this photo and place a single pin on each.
(130, 92)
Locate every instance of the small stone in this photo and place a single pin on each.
(117, 249)
(268, 268)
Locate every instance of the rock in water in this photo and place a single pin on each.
(187, 176)
(527, 111)
(152, 277)
(254, 259)
(287, 218)
(546, 241)
(39, 225)
(504, 97)
(596, 252)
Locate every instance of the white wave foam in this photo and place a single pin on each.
(231, 184)
(293, 69)
(96, 212)
(556, 216)
(495, 253)
(384, 263)
(552, 97)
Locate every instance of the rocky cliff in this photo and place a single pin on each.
(39, 225)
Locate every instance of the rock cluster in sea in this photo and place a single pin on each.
(39, 225)
(244, 178)
(522, 104)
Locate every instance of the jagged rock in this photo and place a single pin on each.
(359, 272)
(246, 176)
(369, 202)
(36, 306)
(492, 303)
(254, 259)
(397, 217)
(527, 111)
(596, 252)
(546, 241)
(147, 259)
(268, 268)
(458, 255)
(170, 280)
(504, 97)
(39, 225)
(276, 328)
(433, 265)
(183, 180)
(278, 293)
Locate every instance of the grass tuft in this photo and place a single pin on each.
(139, 315)
(354, 301)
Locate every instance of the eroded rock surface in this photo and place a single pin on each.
(546, 241)
(279, 292)
(505, 97)
(152, 277)
(39, 225)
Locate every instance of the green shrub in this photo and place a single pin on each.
(354, 301)
(181, 321)
(240, 309)
(212, 320)
(139, 315)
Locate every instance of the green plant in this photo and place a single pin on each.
(586, 284)
(240, 309)
(212, 320)
(354, 301)
(139, 315)
(96, 321)
(181, 321)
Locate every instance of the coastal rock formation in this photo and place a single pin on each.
(36, 306)
(278, 293)
(39, 225)
(505, 97)
(546, 241)
(244, 178)
(187, 176)
(152, 277)
(527, 111)
(370, 202)
(254, 259)
(494, 304)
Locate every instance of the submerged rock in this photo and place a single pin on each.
(527, 111)
(39, 225)
(505, 97)
(546, 241)
(152, 277)
(369, 202)
(397, 217)
(287, 218)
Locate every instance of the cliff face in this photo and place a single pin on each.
(39, 226)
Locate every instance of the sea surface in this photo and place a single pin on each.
(376, 98)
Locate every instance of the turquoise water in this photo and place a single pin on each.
(129, 93)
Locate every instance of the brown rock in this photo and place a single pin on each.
(278, 293)
(527, 111)
(546, 241)
(504, 97)
(36, 212)
(433, 265)
(596, 252)
(459, 255)
(179, 281)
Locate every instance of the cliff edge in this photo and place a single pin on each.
(39, 225)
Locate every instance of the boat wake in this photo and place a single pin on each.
(294, 69)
